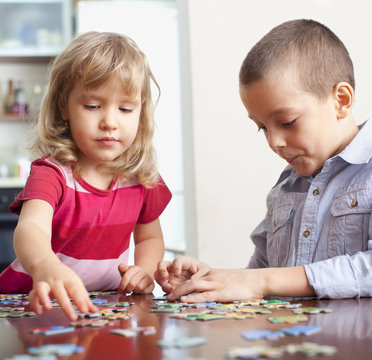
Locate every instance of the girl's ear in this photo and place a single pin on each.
(344, 96)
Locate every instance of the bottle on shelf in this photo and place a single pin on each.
(9, 99)
(20, 106)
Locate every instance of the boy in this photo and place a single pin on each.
(297, 84)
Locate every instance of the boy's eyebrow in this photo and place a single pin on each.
(276, 112)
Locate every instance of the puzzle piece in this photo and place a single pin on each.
(253, 352)
(119, 316)
(311, 310)
(262, 334)
(91, 322)
(310, 349)
(301, 330)
(30, 357)
(131, 332)
(288, 319)
(255, 310)
(51, 330)
(182, 342)
(57, 349)
(239, 316)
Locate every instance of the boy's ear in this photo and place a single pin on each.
(344, 96)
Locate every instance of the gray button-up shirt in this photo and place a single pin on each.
(324, 223)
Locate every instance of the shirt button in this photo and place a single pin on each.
(306, 233)
(316, 192)
(354, 203)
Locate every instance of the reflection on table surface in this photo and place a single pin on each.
(348, 327)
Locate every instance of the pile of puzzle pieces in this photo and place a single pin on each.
(238, 310)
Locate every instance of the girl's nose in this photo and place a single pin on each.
(109, 120)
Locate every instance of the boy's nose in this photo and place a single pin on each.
(276, 140)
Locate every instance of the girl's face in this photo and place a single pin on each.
(103, 121)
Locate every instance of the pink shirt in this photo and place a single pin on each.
(91, 228)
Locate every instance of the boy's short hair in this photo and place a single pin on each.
(310, 48)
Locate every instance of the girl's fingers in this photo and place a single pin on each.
(122, 269)
(81, 299)
(41, 292)
(63, 300)
(35, 303)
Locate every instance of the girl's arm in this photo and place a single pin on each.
(149, 250)
(242, 284)
(51, 278)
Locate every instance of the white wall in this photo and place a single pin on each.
(228, 166)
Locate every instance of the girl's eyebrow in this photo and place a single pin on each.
(124, 99)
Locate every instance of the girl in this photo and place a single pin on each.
(94, 182)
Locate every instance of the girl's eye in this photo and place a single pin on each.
(263, 128)
(91, 107)
(290, 123)
(125, 109)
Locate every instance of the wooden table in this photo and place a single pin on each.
(348, 327)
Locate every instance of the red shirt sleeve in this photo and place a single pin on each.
(155, 201)
(45, 182)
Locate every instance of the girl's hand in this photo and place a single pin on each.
(223, 285)
(171, 275)
(136, 279)
(60, 282)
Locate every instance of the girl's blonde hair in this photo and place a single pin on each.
(94, 58)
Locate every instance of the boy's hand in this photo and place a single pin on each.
(223, 285)
(136, 279)
(60, 282)
(171, 275)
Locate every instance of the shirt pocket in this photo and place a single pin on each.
(278, 241)
(349, 224)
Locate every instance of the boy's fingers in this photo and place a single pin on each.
(205, 296)
(203, 270)
(190, 286)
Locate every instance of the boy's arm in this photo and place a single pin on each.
(149, 250)
(32, 244)
(242, 284)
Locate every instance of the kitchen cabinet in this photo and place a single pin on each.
(34, 28)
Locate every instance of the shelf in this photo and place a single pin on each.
(14, 182)
(12, 118)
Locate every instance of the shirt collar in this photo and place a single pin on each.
(359, 150)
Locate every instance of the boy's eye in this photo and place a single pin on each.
(290, 123)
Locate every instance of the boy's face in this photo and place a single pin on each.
(299, 127)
